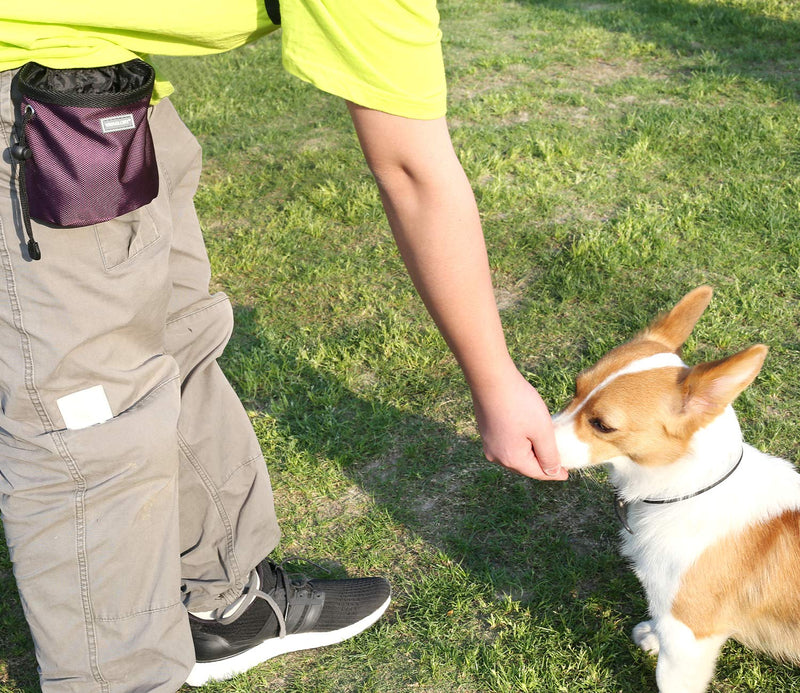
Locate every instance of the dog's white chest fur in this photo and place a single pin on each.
(668, 539)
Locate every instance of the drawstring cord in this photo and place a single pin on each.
(22, 152)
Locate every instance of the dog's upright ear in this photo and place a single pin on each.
(710, 387)
(673, 329)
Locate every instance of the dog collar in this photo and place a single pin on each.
(621, 506)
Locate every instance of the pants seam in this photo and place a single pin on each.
(25, 340)
(83, 558)
(162, 170)
(246, 463)
(82, 554)
(152, 393)
(238, 584)
(16, 310)
(182, 316)
(134, 614)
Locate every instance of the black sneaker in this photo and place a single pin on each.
(276, 615)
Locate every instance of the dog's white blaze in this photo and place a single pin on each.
(666, 359)
(574, 452)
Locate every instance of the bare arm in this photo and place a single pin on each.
(433, 216)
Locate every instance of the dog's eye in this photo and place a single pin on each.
(598, 425)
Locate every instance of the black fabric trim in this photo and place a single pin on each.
(101, 87)
(274, 11)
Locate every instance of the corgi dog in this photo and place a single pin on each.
(711, 524)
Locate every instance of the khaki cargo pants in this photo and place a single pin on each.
(114, 529)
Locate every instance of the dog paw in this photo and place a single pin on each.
(645, 637)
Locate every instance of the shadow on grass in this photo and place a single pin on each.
(509, 535)
(549, 547)
(725, 39)
(544, 546)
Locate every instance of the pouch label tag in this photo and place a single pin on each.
(117, 123)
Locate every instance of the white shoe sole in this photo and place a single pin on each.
(225, 669)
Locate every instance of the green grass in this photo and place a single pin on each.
(621, 154)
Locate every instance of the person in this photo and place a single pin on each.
(140, 535)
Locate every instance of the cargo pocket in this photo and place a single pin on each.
(120, 240)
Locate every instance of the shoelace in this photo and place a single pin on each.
(252, 592)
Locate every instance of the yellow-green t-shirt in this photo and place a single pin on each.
(62, 34)
(383, 54)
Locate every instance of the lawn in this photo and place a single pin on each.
(621, 154)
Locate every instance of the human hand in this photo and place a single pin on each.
(517, 429)
(432, 213)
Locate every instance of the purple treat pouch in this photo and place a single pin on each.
(85, 150)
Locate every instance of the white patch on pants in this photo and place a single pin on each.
(85, 408)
